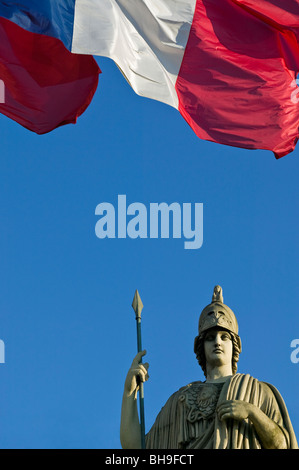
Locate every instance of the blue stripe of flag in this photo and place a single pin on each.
(48, 17)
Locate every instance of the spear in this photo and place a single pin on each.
(137, 307)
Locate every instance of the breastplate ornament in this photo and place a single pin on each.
(200, 400)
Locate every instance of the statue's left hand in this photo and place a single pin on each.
(269, 433)
(236, 409)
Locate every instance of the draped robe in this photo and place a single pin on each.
(189, 420)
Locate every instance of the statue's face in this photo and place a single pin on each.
(218, 347)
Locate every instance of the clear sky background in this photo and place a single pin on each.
(65, 305)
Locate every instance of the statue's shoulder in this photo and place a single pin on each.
(268, 389)
(176, 397)
(190, 386)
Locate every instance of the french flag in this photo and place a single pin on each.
(229, 67)
(43, 85)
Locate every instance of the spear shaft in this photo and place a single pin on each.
(138, 306)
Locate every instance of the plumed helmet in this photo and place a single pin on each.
(217, 314)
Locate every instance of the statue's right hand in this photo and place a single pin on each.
(136, 374)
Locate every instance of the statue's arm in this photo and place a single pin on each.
(130, 434)
(270, 434)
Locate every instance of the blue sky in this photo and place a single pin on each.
(65, 306)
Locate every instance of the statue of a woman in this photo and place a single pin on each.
(227, 411)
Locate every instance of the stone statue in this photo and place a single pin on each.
(228, 410)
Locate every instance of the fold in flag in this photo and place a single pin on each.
(228, 66)
(43, 85)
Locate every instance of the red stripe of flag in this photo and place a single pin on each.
(237, 77)
(46, 86)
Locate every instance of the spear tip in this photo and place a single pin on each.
(137, 304)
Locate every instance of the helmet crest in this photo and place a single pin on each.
(217, 314)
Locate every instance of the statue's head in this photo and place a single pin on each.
(217, 315)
